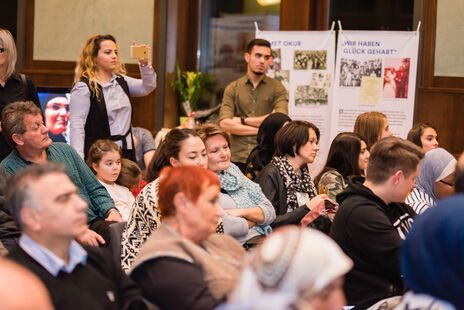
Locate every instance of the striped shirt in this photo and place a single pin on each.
(419, 200)
(88, 186)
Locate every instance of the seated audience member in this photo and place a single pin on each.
(52, 214)
(432, 256)
(9, 229)
(21, 289)
(131, 176)
(435, 180)
(372, 126)
(184, 264)
(423, 135)
(144, 146)
(459, 175)
(181, 147)
(348, 156)
(24, 130)
(373, 220)
(104, 159)
(295, 268)
(247, 212)
(285, 180)
(261, 155)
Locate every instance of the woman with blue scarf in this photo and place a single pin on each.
(248, 212)
(432, 258)
(435, 180)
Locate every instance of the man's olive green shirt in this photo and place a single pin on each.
(241, 99)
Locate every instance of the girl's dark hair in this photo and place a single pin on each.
(98, 149)
(130, 173)
(290, 138)
(414, 135)
(170, 147)
(343, 155)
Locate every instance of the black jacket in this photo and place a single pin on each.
(8, 226)
(99, 284)
(370, 233)
(273, 188)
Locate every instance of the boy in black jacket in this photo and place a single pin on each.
(372, 221)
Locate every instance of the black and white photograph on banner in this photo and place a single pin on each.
(314, 60)
(283, 76)
(308, 95)
(352, 71)
(372, 68)
(320, 80)
(276, 60)
(396, 78)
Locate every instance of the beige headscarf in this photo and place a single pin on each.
(291, 261)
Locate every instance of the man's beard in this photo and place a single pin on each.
(258, 73)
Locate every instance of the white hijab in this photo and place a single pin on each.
(288, 262)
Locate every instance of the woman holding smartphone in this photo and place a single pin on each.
(100, 106)
(286, 182)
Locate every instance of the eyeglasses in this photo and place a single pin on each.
(449, 184)
(2, 49)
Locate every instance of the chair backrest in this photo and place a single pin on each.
(116, 230)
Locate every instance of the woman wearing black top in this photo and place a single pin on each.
(13, 86)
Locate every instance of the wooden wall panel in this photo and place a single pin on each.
(440, 100)
(304, 14)
(444, 109)
(61, 73)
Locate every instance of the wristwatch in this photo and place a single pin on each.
(242, 120)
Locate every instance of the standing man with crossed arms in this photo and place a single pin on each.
(249, 100)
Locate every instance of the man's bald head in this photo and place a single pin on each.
(21, 289)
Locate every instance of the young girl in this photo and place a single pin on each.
(104, 159)
(131, 176)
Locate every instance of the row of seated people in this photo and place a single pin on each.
(185, 264)
(219, 164)
(289, 189)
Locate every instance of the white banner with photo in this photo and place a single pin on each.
(375, 71)
(304, 62)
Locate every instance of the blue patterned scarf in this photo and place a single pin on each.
(244, 192)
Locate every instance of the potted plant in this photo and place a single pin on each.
(191, 86)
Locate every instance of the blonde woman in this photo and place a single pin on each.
(372, 126)
(100, 106)
(14, 86)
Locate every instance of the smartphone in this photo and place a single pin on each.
(139, 51)
(330, 206)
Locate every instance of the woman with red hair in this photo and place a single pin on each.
(184, 264)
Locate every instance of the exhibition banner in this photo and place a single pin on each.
(375, 71)
(304, 62)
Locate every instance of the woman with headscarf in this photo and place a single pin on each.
(277, 275)
(261, 155)
(432, 256)
(435, 180)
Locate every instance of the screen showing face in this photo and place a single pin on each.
(55, 107)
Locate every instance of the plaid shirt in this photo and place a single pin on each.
(88, 186)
